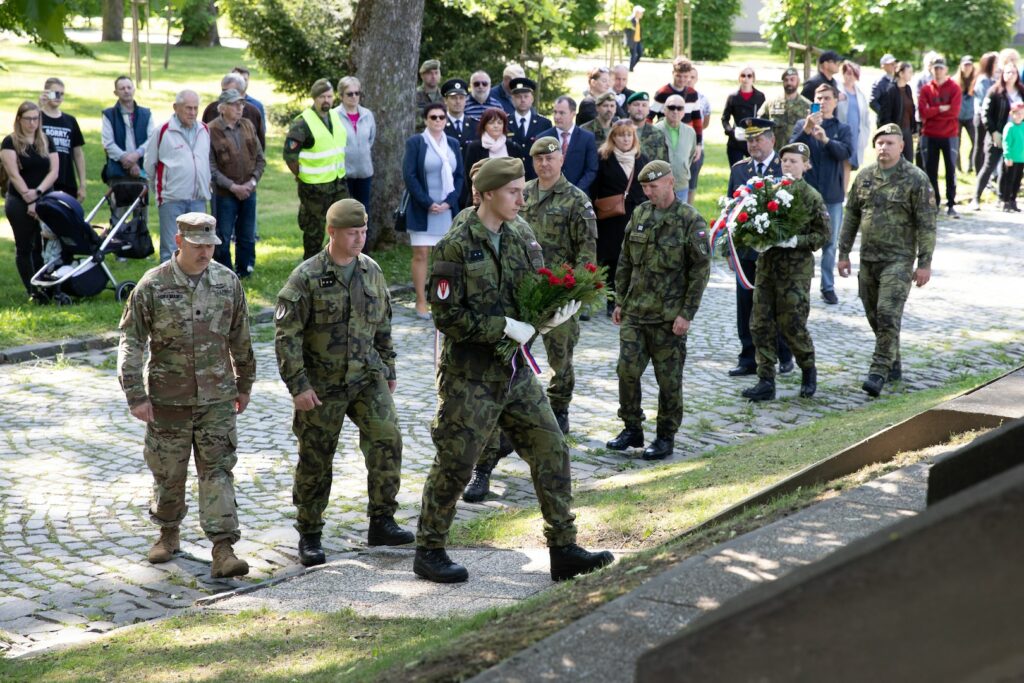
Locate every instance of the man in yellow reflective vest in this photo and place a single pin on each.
(314, 151)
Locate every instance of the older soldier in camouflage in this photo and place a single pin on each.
(782, 286)
(191, 312)
(785, 111)
(477, 267)
(601, 126)
(335, 355)
(563, 221)
(892, 205)
(316, 195)
(659, 282)
(652, 140)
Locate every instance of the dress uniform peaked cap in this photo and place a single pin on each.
(454, 86)
(545, 145)
(522, 84)
(346, 213)
(198, 228)
(498, 171)
(754, 126)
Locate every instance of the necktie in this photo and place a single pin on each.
(565, 141)
(522, 124)
(458, 127)
(760, 168)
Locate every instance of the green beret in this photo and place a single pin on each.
(887, 129)
(498, 171)
(639, 96)
(346, 213)
(430, 65)
(545, 146)
(654, 170)
(320, 86)
(198, 228)
(604, 97)
(796, 148)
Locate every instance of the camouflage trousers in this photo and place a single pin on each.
(640, 343)
(467, 413)
(314, 200)
(372, 410)
(782, 302)
(883, 289)
(171, 438)
(558, 345)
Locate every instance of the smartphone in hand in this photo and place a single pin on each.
(815, 107)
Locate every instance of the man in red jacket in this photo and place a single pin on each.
(939, 106)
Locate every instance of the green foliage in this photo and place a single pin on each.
(41, 21)
(818, 23)
(297, 41)
(196, 18)
(712, 27)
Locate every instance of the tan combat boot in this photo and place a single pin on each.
(163, 550)
(225, 563)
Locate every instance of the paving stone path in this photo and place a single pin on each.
(74, 488)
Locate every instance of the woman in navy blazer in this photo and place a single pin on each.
(433, 174)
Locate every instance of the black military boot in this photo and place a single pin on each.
(479, 485)
(660, 448)
(435, 565)
(568, 561)
(505, 446)
(384, 531)
(764, 390)
(787, 367)
(630, 437)
(809, 382)
(310, 551)
(873, 384)
(896, 372)
(562, 418)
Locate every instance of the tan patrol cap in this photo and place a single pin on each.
(654, 170)
(346, 213)
(320, 86)
(545, 145)
(796, 148)
(604, 97)
(887, 129)
(498, 171)
(198, 228)
(430, 65)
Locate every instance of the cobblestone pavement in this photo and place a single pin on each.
(74, 488)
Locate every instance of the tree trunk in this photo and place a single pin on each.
(113, 21)
(213, 37)
(384, 57)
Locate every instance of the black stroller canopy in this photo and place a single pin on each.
(64, 216)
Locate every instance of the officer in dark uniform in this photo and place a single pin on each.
(525, 124)
(459, 126)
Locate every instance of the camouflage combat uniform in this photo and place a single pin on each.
(200, 360)
(335, 337)
(662, 273)
(652, 143)
(782, 289)
(472, 288)
(784, 114)
(894, 212)
(600, 132)
(314, 199)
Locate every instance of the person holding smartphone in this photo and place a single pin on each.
(67, 139)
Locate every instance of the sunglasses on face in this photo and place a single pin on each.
(353, 94)
(674, 107)
(746, 75)
(437, 117)
(480, 84)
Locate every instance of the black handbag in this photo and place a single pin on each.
(400, 211)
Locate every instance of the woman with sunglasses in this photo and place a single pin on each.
(742, 104)
(30, 162)
(433, 173)
(361, 129)
(67, 139)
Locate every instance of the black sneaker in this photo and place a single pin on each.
(310, 551)
(873, 385)
(660, 448)
(830, 297)
(630, 437)
(384, 531)
(569, 561)
(764, 390)
(435, 565)
(479, 485)
(951, 212)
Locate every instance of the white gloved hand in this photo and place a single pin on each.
(787, 244)
(760, 249)
(997, 140)
(519, 331)
(561, 315)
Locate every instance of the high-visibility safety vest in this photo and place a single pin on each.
(325, 160)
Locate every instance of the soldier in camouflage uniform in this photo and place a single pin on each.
(334, 353)
(652, 140)
(601, 126)
(785, 111)
(321, 187)
(477, 267)
(428, 90)
(659, 282)
(782, 286)
(191, 312)
(562, 219)
(892, 206)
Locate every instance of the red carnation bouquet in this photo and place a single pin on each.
(761, 213)
(542, 293)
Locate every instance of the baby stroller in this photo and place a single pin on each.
(74, 259)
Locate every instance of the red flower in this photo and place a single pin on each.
(598, 285)
(773, 205)
(591, 267)
(554, 281)
(736, 193)
(786, 181)
(569, 284)
(742, 218)
(758, 185)
(545, 271)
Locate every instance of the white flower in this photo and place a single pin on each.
(784, 197)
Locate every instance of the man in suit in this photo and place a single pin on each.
(459, 126)
(525, 123)
(763, 161)
(579, 148)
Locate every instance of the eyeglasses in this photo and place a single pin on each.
(674, 107)
(439, 117)
(746, 75)
(353, 94)
(30, 118)
(480, 84)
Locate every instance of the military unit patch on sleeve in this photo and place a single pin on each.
(443, 289)
(281, 312)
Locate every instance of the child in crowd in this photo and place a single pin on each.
(1013, 158)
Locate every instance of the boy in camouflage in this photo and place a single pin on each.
(782, 287)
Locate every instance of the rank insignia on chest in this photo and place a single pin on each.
(640, 228)
(476, 255)
(443, 289)
(328, 281)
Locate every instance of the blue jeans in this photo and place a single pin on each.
(695, 172)
(236, 217)
(828, 254)
(683, 194)
(359, 190)
(169, 212)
